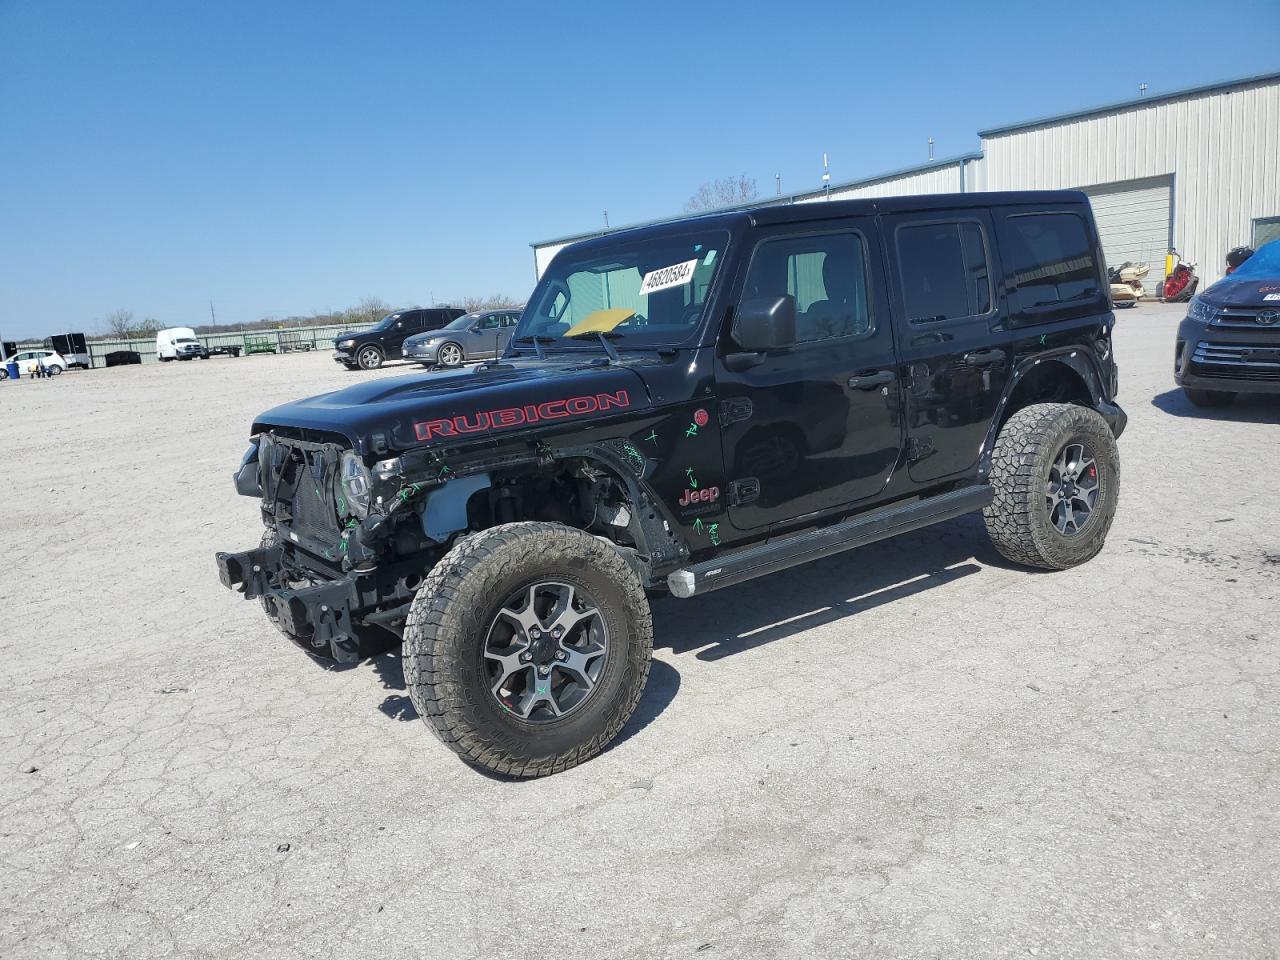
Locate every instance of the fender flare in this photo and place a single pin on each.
(1080, 362)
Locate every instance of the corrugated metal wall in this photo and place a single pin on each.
(1220, 147)
(940, 180)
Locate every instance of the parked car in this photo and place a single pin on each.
(370, 349)
(474, 336)
(28, 360)
(684, 407)
(179, 343)
(1229, 342)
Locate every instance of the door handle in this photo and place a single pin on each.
(871, 380)
(983, 358)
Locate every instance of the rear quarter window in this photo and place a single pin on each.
(1050, 265)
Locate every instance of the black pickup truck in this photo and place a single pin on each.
(683, 407)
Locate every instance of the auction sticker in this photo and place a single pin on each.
(676, 275)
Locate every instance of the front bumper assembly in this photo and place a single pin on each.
(317, 617)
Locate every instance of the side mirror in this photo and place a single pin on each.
(765, 323)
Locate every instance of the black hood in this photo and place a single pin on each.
(470, 404)
(1232, 291)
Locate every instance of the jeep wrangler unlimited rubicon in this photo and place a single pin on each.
(683, 407)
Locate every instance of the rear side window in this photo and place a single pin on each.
(1049, 264)
(945, 270)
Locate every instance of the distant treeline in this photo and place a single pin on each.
(124, 325)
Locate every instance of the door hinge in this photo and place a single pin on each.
(734, 410)
(919, 447)
(743, 491)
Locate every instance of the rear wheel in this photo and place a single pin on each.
(1209, 398)
(1056, 476)
(369, 358)
(527, 648)
(54, 369)
(449, 355)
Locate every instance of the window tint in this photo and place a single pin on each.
(1048, 261)
(945, 275)
(826, 275)
(491, 322)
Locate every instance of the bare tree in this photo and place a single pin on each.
(724, 192)
(149, 327)
(494, 301)
(119, 324)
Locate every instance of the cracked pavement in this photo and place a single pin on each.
(910, 750)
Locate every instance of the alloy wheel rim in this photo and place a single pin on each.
(369, 358)
(545, 652)
(1071, 494)
(450, 355)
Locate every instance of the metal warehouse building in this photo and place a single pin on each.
(1195, 170)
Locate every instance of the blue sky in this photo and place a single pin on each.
(285, 158)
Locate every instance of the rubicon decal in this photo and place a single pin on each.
(483, 421)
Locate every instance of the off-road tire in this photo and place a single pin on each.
(1018, 520)
(369, 357)
(1209, 398)
(449, 623)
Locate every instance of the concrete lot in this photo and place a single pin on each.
(911, 750)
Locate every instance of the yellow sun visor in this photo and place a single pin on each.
(601, 321)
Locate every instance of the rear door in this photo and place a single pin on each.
(952, 334)
(814, 426)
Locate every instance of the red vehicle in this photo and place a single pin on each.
(1180, 285)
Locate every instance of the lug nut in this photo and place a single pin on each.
(561, 655)
(558, 632)
(535, 633)
(526, 657)
(543, 671)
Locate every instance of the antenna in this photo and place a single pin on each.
(931, 148)
(826, 176)
(778, 180)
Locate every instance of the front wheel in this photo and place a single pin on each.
(369, 358)
(1209, 398)
(527, 648)
(1056, 476)
(450, 355)
(54, 369)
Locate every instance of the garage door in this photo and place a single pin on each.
(1135, 220)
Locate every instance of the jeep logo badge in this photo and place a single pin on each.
(1269, 318)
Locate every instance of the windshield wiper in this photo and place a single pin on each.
(604, 341)
(537, 339)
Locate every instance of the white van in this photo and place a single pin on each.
(179, 343)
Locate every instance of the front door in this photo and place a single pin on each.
(951, 334)
(814, 426)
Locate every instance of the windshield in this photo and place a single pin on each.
(386, 323)
(185, 340)
(460, 323)
(645, 292)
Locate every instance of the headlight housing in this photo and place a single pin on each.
(1200, 311)
(356, 486)
(346, 343)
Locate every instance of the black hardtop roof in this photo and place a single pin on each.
(834, 209)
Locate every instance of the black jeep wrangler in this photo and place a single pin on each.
(683, 407)
(370, 349)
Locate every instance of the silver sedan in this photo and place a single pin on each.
(473, 336)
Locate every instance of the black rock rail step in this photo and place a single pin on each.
(775, 555)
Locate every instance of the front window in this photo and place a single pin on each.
(387, 322)
(646, 292)
(461, 323)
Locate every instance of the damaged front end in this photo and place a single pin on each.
(336, 570)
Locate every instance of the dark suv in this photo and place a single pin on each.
(684, 407)
(370, 349)
(1229, 342)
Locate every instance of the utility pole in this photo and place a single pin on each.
(1142, 89)
(931, 148)
(212, 316)
(778, 180)
(826, 176)
(606, 219)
